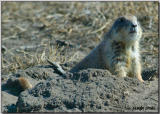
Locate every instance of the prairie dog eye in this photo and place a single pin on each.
(122, 19)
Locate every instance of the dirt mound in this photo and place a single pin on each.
(65, 33)
(91, 90)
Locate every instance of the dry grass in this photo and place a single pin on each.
(42, 23)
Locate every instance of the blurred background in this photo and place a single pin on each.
(65, 32)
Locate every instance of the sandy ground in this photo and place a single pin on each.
(33, 32)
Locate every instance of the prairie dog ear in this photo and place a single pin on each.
(121, 19)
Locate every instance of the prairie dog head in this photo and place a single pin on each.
(126, 29)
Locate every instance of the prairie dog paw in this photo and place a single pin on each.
(121, 74)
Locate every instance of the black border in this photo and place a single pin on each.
(96, 1)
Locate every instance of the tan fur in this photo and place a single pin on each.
(119, 50)
(25, 84)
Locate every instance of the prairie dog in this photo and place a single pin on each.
(24, 83)
(119, 50)
(20, 83)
